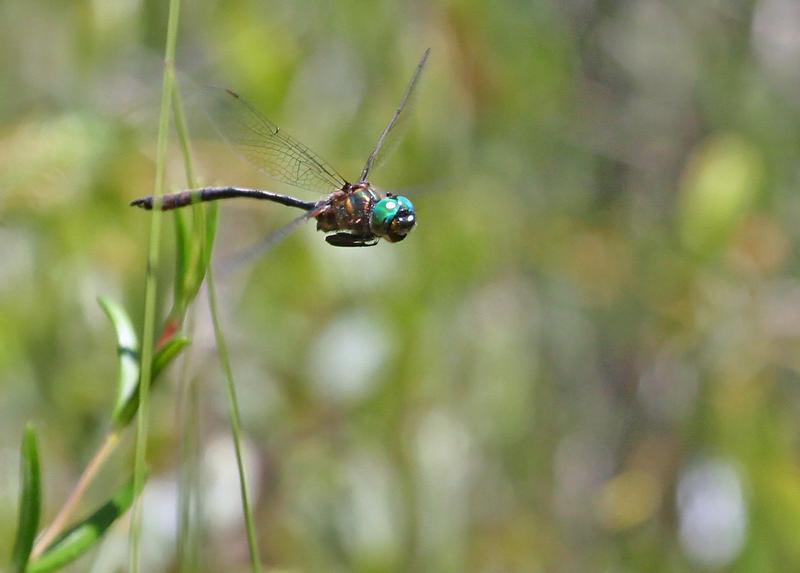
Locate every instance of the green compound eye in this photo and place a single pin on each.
(404, 202)
(385, 210)
(392, 218)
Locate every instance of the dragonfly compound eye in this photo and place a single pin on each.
(392, 218)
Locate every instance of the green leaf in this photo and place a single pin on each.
(204, 227)
(30, 501)
(127, 352)
(194, 243)
(165, 355)
(212, 218)
(183, 262)
(127, 402)
(84, 535)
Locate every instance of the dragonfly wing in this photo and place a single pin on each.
(267, 146)
(385, 143)
(262, 247)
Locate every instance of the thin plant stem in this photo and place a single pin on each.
(151, 283)
(233, 407)
(183, 135)
(222, 349)
(188, 495)
(188, 405)
(65, 513)
(198, 210)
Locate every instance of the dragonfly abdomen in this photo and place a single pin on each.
(184, 198)
(169, 201)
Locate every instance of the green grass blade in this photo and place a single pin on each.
(212, 219)
(148, 337)
(30, 501)
(207, 241)
(83, 536)
(204, 227)
(233, 408)
(193, 248)
(183, 263)
(128, 354)
(167, 353)
(189, 516)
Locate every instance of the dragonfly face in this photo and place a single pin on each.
(392, 218)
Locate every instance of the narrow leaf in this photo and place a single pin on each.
(194, 238)
(127, 352)
(183, 262)
(204, 226)
(164, 356)
(212, 218)
(84, 535)
(30, 501)
(167, 353)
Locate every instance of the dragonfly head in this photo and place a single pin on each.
(392, 218)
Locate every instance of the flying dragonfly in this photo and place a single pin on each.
(353, 214)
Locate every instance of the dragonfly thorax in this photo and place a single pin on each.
(360, 215)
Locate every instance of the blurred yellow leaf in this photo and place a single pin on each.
(718, 187)
(628, 499)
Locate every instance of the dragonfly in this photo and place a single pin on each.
(352, 214)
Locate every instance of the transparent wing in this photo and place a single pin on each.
(265, 245)
(267, 146)
(383, 146)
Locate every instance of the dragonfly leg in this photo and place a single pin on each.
(350, 240)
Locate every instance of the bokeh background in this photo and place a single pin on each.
(585, 358)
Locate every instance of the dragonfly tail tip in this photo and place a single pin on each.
(144, 203)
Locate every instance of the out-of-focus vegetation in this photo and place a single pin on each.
(585, 358)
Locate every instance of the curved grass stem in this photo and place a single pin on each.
(222, 348)
(189, 507)
(233, 406)
(68, 509)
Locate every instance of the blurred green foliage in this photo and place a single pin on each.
(584, 358)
